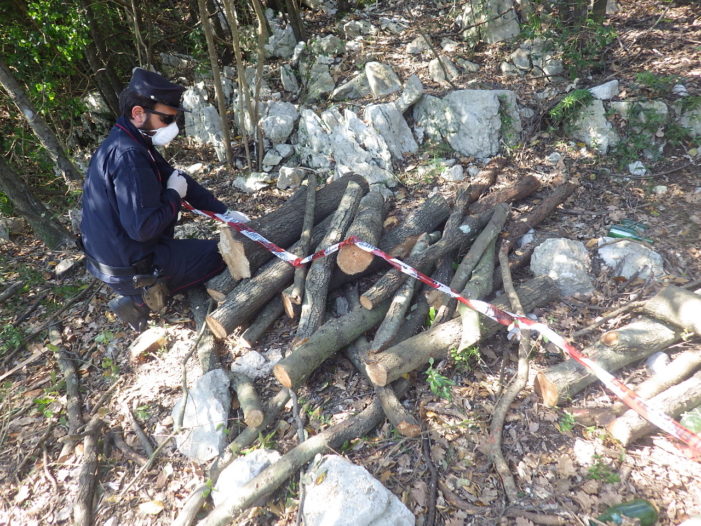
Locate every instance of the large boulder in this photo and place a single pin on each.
(489, 21)
(567, 262)
(388, 121)
(592, 128)
(629, 259)
(382, 79)
(202, 122)
(279, 121)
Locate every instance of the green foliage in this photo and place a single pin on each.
(690, 103)
(464, 357)
(692, 420)
(439, 384)
(10, 338)
(658, 84)
(105, 337)
(43, 405)
(569, 107)
(582, 43)
(68, 291)
(603, 472)
(110, 368)
(143, 412)
(639, 136)
(566, 422)
(6, 208)
(431, 316)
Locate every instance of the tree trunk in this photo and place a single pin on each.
(317, 283)
(616, 349)
(43, 223)
(216, 74)
(294, 369)
(249, 296)
(385, 367)
(284, 225)
(39, 126)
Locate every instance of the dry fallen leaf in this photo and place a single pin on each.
(151, 507)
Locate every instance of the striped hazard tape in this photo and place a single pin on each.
(508, 319)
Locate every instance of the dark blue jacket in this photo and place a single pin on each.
(126, 206)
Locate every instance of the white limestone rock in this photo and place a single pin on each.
(565, 261)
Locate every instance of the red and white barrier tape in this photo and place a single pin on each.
(508, 319)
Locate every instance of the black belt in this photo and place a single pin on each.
(143, 266)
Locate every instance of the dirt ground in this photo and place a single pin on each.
(561, 467)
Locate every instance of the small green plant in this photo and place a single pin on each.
(143, 412)
(440, 385)
(603, 472)
(569, 107)
(10, 338)
(658, 84)
(463, 358)
(208, 488)
(43, 405)
(105, 337)
(431, 316)
(639, 135)
(110, 368)
(566, 422)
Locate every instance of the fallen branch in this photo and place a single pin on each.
(432, 486)
(265, 318)
(127, 451)
(11, 290)
(87, 477)
(275, 475)
(73, 402)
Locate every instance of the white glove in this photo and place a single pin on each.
(235, 217)
(178, 183)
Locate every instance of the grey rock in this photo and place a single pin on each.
(489, 20)
(382, 79)
(285, 150)
(567, 262)
(205, 417)
(282, 41)
(279, 121)
(629, 258)
(450, 46)
(438, 73)
(690, 119)
(271, 159)
(592, 128)
(289, 79)
(413, 90)
(337, 490)
(355, 88)
(202, 122)
(521, 59)
(321, 83)
(252, 183)
(393, 25)
(507, 68)
(637, 168)
(328, 45)
(680, 90)
(641, 111)
(467, 66)
(390, 124)
(417, 46)
(356, 28)
(241, 471)
(605, 91)
(554, 158)
(254, 365)
(290, 177)
(660, 189)
(453, 173)
(313, 140)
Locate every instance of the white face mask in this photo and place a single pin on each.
(164, 135)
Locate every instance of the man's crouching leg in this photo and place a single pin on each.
(131, 310)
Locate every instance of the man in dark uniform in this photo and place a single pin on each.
(131, 200)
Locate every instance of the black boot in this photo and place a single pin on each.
(130, 312)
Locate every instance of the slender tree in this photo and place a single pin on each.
(39, 126)
(34, 211)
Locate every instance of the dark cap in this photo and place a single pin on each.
(156, 87)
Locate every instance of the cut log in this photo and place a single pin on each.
(385, 367)
(388, 284)
(398, 241)
(263, 321)
(284, 225)
(295, 295)
(220, 285)
(275, 475)
(207, 347)
(367, 226)
(479, 287)
(233, 253)
(616, 349)
(673, 402)
(677, 306)
(478, 185)
(317, 283)
(540, 212)
(335, 334)
(248, 399)
(249, 296)
(524, 187)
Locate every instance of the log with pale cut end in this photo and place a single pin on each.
(367, 226)
(283, 226)
(406, 356)
(220, 285)
(293, 295)
(388, 284)
(678, 306)
(249, 401)
(521, 189)
(265, 318)
(233, 253)
(251, 295)
(673, 402)
(316, 285)
(335, 334)
(616, 349)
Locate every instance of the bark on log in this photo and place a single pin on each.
(335, 334)
(479, 287)
(388, 284)
(515, 192)
(677, 306)
(484, 179)
(11, 289)
(74, 413)
(674, 401)
(412, 353)
(207, 346)
(251, 295)
(275, 475)
(616, 349)
(253, 414)
(367, 226)
(87, 477)
(220, 285)
(263, 321)
(284, 225)
(295, 295)
(540, 212)
(317, 283)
